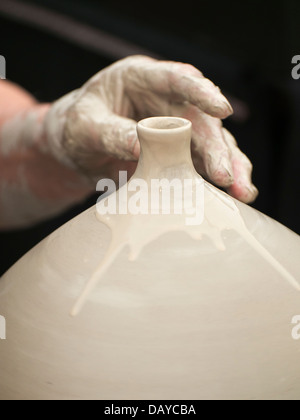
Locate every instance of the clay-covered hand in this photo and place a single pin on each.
(93, 129)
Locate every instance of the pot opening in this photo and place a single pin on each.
(164, 123)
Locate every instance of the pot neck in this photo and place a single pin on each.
(165, 149)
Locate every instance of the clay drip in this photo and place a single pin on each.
(165, 154)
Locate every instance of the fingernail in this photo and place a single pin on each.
(228, 107)
(254, 190)
(221, 110)
(252, 193)
(132, 139)
(136, 150)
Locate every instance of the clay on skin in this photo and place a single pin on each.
(34, 186)
(102, 116)
(164, 152)
(186, 319)
(38, 180)
(53, 155)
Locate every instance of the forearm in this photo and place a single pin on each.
(34, 185)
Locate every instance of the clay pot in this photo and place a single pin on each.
(197, 312)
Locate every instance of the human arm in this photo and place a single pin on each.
(51, 155)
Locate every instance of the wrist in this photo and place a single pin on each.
(62, 171)
(54, 124)
(25, 155)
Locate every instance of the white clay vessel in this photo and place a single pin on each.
(148, 307)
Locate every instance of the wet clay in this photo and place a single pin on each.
(165, 154)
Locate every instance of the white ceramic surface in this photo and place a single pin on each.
(183, 321)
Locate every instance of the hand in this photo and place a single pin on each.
(93, 129)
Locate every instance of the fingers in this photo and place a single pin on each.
(140, 87)
(117, 137)
(93, 135)
(219, 158)
(242, 188)
(198, 91)
(209, 143)
(179, 82)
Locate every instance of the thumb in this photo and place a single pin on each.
(119, 137)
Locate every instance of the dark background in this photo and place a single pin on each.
(244, 47)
